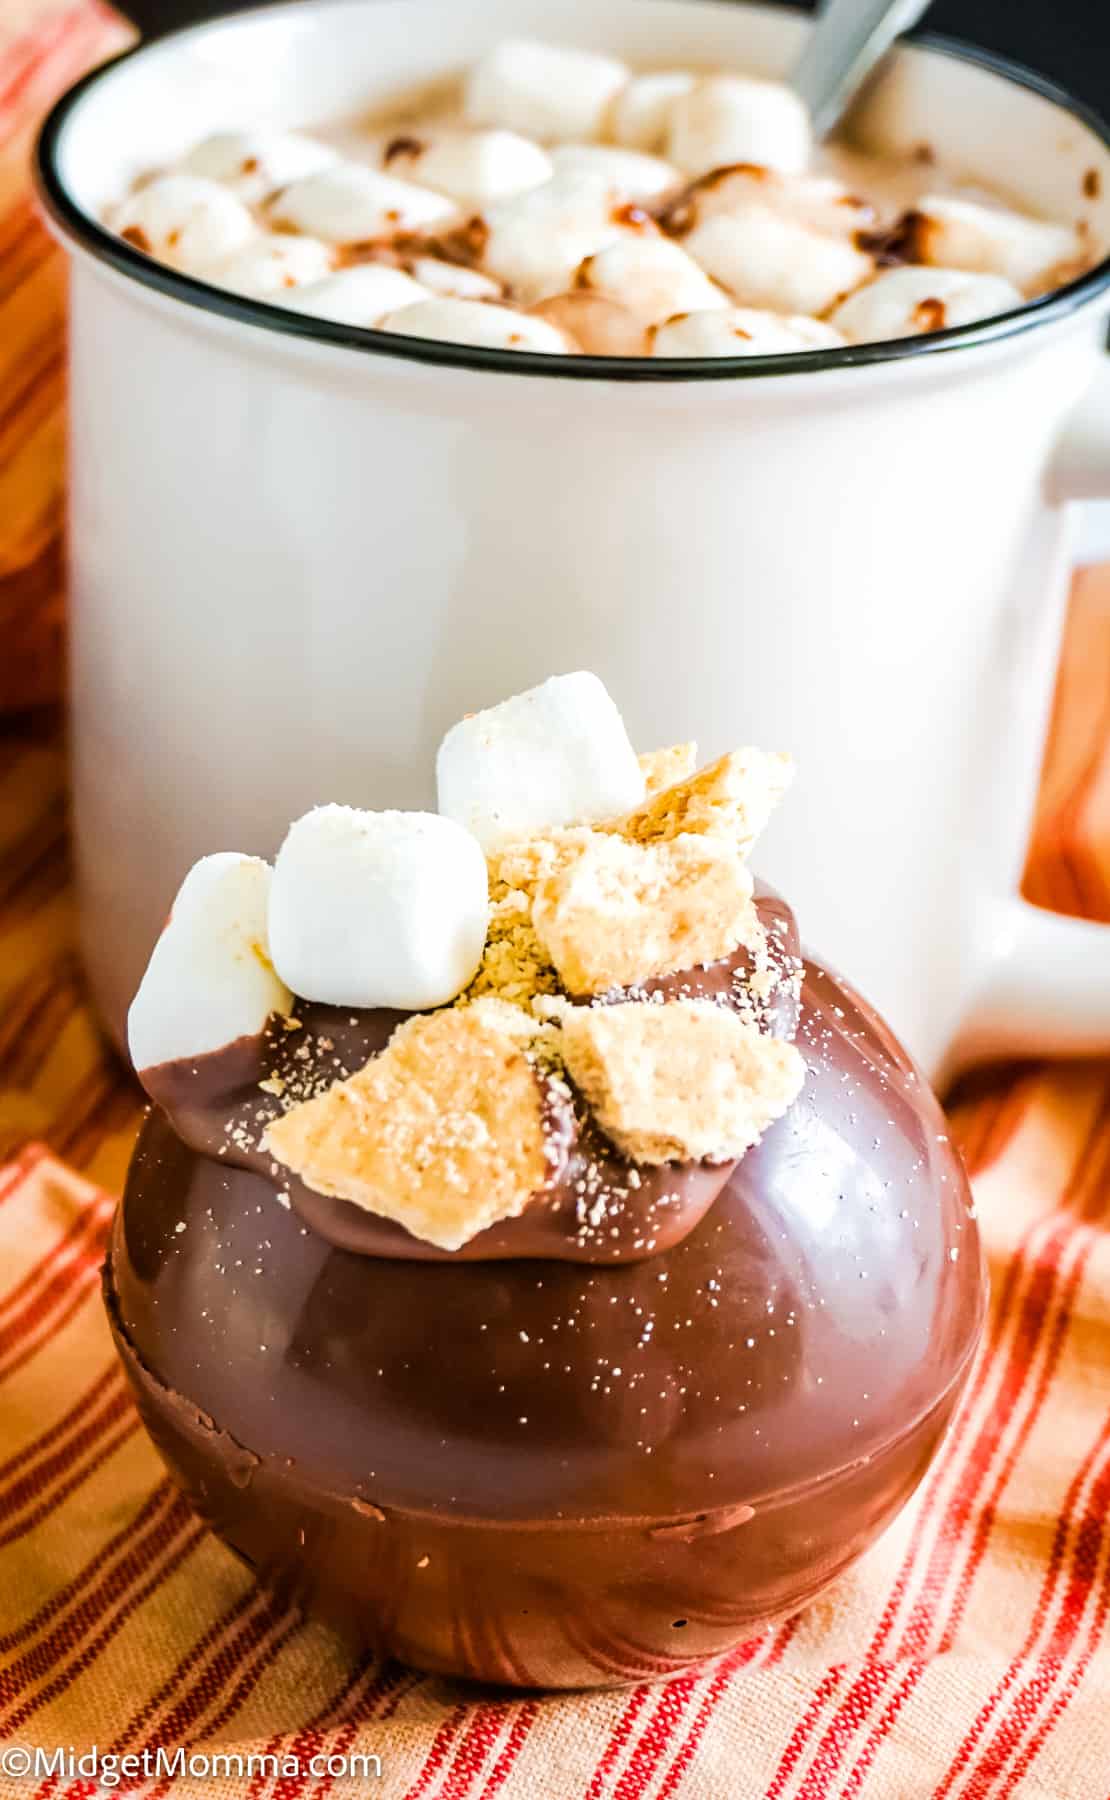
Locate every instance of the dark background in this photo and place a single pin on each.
(1066, 39)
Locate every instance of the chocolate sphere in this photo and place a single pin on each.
(542, 1471)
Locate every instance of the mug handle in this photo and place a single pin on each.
(1048, 990)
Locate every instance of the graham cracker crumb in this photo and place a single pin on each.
(731, 798)
(686, 1081)
(445, 1132)
(616, 913)
(663, 768)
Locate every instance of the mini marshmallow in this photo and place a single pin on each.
(268, 265)
(478, 322)
(209, 980)
(185, 221)
(597, 325)
(912, 301)
(362, 295)
(544, 90)
(735, 119)
(347, 203)
(630, 174)
(640, 115)
(535, 242)
(378, 908)
(556, 755)
(473, 167)
(651, 276)
(253, 163)
(770, 262)
(741, 331)
(452, 281)
(819, 202)
(991, 240)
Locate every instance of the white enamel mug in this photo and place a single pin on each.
(301, 550)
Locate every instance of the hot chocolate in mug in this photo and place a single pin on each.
(300, 550)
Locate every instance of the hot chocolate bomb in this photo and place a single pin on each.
(660, 1407)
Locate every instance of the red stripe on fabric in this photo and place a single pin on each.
(18, 1170)
(796, 1744)
(399, 1685)
(655, 1740)
(688, 1749)
(88, 1282)
(72, 1630)
(111, 1377)
(161, 1496)
(387, 1691)
(28, 1284)
(618, 1741)
(65, 1265)
(57, 1498)
(437, 1754)
(1033, 1319)
(481, 1734)
(514, 1743)
(1027, 1702)
(303, 1742)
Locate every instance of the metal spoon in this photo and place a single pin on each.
(849, 38)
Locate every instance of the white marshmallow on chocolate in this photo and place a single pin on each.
(952, 233)
(737, 119)
(453, 281)
(640, 115)
(651, 276)
(362, 295)
(186, 221)
(535, 242)
(478, 322)
(210, 979)
(546, 91)
(253, 163)
(595, 324)
(473, 167)
(347, 203)
(768, 261)
(741, 331)
(378, 908)
(819, 202)
(630, 174)
(272, 263)
(912, 301)
(556, 755)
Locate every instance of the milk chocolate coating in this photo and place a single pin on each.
(536, 1472)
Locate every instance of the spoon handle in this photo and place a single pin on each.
(848, 39)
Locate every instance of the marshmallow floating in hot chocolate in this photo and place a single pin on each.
(363, 295)
(210, 980)
(378, 908)
(652, 277)
(727, 119)
(474, 168)
(545, 90)
(275, 263)
(347, 203)
(254, 163)
(909, 302)
(185, 220)
(536, 242)
(954, 233)
(478, 322)
(640, 114)
(555, 755)
(741, 331)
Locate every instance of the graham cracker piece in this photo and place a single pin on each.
(616, 913)
(688, 1081)
(731, 798)
(663, 768)
(445, 1132)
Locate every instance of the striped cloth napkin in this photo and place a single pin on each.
(967, 1656)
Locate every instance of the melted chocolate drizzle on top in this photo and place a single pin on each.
(601, 1208)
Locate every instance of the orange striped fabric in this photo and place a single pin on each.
(967, 1657)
